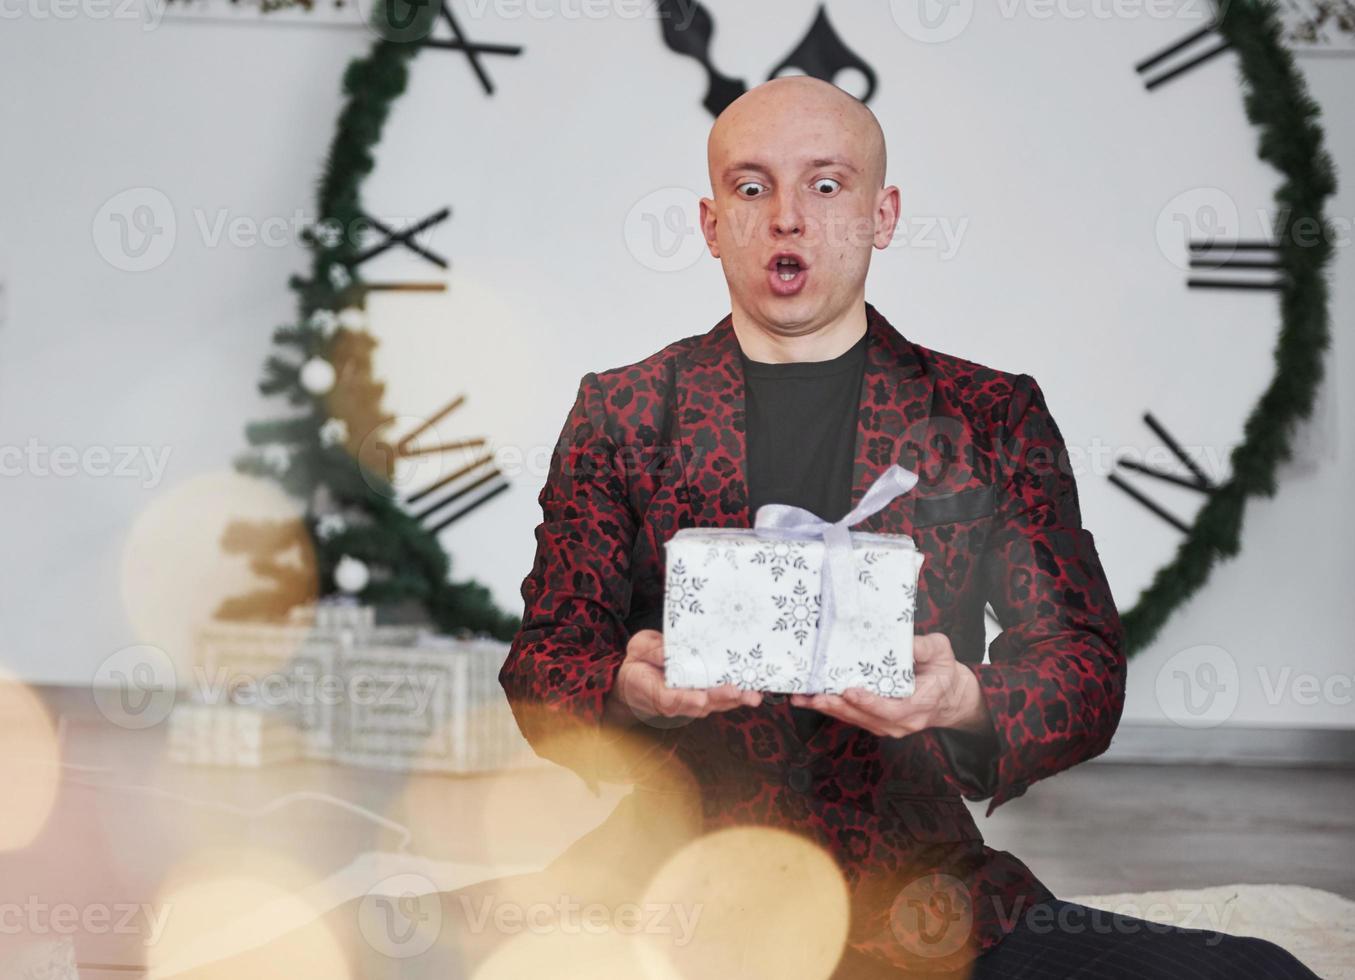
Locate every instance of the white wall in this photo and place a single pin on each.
(1055, 165)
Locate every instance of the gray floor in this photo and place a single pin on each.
(1112, 827)
(126, 819)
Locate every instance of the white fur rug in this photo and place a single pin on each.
(1316, 926)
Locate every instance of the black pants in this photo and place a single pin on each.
(1058, 940)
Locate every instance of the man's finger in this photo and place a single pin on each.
(647, 647)
(674, 701)
(929, 647)
(885, 720)
(732, 696)
(874, 704)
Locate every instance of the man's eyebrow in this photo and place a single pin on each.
(762, 168)
(830, 162)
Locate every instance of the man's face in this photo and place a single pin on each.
(795, 176)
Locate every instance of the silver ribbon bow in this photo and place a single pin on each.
(838, 593)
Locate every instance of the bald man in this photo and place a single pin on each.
(803, 394)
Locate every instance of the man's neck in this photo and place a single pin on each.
(771, 344)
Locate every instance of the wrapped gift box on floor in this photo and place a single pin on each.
(298, 664)
(230, 734)
(380, 696)
(795, 603)
(433, 705)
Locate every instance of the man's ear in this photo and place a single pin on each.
(886, 216)
(708, 226)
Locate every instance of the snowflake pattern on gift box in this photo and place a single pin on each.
(716, 552)
(749, 671)
(739, 606)
(871, 631)
(799, 612)
(888, 678)
(779, 556)
(680, 592)
(864, 574)
(910, 600)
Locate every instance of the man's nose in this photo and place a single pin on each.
(787, 218)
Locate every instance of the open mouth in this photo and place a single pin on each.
(786, 274)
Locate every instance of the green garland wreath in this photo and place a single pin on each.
(1291, 139)
(417, 567)
(1278, 104)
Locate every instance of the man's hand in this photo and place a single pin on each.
(946, 694)
(641, 695)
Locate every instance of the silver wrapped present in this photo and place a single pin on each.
(794, 604)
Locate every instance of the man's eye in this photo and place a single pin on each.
(826, 184)
(747, 183)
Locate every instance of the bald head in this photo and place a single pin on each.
(805, 106)
(799, 202)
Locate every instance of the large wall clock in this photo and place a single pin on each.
(1083, 201)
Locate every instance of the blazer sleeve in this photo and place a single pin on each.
(563, 661)
(1055, 681)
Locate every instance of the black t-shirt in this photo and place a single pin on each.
(800, 441)
(801, 420)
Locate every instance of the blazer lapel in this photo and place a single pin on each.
(893, 423)
(711, 430)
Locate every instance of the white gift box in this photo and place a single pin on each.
(295, 666)
(397, 697)
(435, 705)
(230, 735)
(748, 606)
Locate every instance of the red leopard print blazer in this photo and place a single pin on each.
(658, 445)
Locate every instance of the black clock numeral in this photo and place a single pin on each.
(473, 50)
(447, 490)
(1192, 40)
(404, 238)
(823, 54)
(1197, 481)
(427, 515)
(694, 42)
(1258, 256)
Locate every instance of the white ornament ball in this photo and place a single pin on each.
(351, 575)
(353, 318)
(317, 376)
